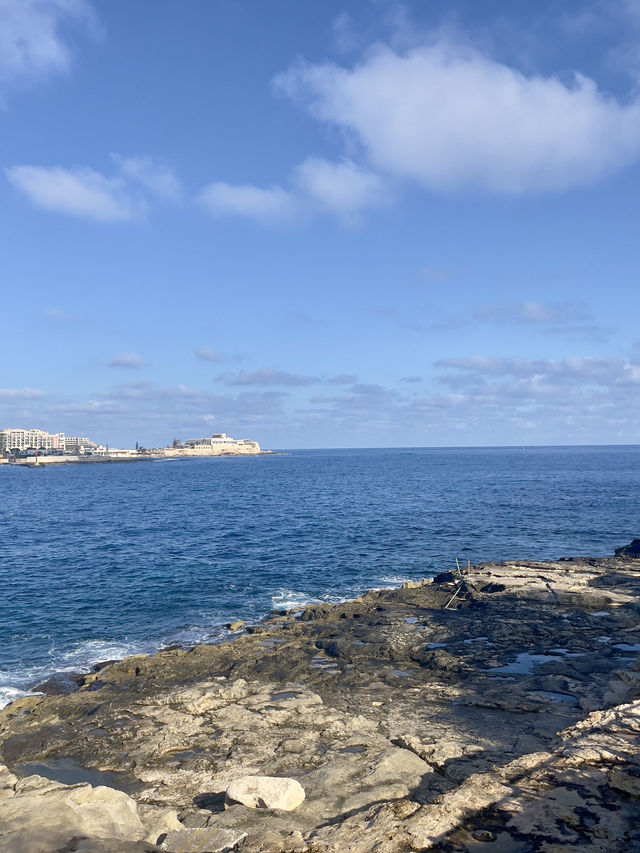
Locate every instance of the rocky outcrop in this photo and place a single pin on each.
(630, 550)
(498, 704)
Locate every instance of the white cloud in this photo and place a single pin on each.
(31, 45)
(129, 360)
(344, 33)
(449, 118)
(605, 371)
(272, 204)
(20, 394)
(535, 313)
(55, 315)
(207, 354)
(343, 379)
(266, 376)
(155, 177)
(342, 188)
(78, 192)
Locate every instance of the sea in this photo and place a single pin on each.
(102, 561)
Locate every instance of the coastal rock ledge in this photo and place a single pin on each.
(493, 709)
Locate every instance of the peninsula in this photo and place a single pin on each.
(491, 708)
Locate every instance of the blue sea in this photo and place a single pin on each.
(101, 561)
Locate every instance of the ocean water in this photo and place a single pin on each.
(97, 562)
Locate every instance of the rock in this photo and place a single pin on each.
(42, 815)
(8, 782)
(158, 821)
(235, 626)
(627, 781)
(630, 550)
(205, 840)
(265, 792)
(59, 684)
(484, 835)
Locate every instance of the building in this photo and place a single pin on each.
(80, 446)
(221, 441)
(21, 440)
(30, 439)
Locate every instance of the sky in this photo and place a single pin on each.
(321, 224)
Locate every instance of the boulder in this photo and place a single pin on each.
(265, 792)
(45, 815)
(630, 550)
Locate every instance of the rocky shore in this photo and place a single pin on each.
(496, 708)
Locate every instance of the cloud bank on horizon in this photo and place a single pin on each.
(438, 194)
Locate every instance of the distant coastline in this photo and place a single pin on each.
(36, 448)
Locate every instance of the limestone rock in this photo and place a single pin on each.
(43, 815)
(266, 792)
(205, 840)
(158, 821)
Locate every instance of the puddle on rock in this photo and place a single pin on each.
(523, 664)
(566, 653)
(66, 771)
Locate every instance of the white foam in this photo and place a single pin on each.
(10, 694)
(86, 653)
(290, 599)
(287, 599)
(397, 580)
(79, 658)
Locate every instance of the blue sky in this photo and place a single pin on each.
(321, 224)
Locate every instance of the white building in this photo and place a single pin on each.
(35, 439)
(79, 446)
(220, 441)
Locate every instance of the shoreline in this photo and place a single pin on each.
(70, 679)
(43, 461)
(414, 718)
